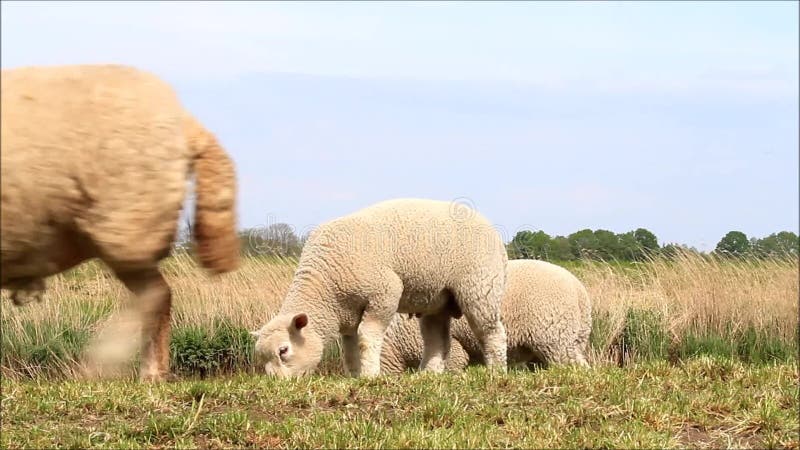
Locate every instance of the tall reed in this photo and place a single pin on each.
(662, 308)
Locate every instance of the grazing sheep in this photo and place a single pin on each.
(546, 311)
(95, 164)
(433, 258)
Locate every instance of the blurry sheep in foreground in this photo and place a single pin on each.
(95, 163)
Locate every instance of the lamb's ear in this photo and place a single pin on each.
(256, 334)
(299, 321)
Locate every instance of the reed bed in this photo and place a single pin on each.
(672, 309)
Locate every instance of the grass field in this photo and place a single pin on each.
(695, 352)
(705, 402)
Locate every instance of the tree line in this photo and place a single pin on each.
(641, 244)
(280, 239)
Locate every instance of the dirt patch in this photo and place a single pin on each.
(696, 436)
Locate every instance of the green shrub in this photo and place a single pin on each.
(748, 345)
(644, 336)
(200, 351)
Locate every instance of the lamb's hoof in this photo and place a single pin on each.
(368, 373)
(434, 368)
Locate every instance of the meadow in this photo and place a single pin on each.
(694, 351)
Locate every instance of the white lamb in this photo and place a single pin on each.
(432, 258)
(546, 311)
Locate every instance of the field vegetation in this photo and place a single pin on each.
(690, 350)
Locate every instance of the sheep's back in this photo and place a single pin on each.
(98, 150)
(421, 241)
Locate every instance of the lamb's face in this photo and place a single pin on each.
(285, 348)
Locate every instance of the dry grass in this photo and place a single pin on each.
(693, 295)
(698, 295)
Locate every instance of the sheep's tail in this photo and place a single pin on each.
(215, 206)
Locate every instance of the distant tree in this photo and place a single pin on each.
(646, 240)
(776, 244)
(512, 251)
(636, 245)
(672, 250)
(518, 247)
(540, 245)
(789, 242)
(531, 245)
(629, 248)
(283, 238)
(583, 243)
(250, 241)
(560, 249)
(608, 247)
(277, 239)
(734, 243)
(754, 247)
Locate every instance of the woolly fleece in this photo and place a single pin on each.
(95, 162)
(546, 311)
(433, 258)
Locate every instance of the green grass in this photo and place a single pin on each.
(220, 348)
(700, 402)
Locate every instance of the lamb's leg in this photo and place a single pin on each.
(458, 359)
(572, 356)
(400, 344)
(371, 333)
(493, 340)
(580, 360)
(482, 311)
(154, 301)
(435, 331)
(374, 322)
(352, 359)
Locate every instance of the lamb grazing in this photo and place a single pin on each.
(546, 311)
(432, 258)
(95, 164)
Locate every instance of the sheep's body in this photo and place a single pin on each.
(427, 257)
(95, 164)
(546, 311)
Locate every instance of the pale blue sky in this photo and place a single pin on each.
(681, 117)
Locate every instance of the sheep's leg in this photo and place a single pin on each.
(458, 359)
(435, 331)
(371, 333)
(375, 321)
(493, 340)
(580, 360)
(572, 356)
(482, 311)
(352, 359)
(28, 290)
(154, 301)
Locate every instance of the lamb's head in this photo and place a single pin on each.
(286, 348)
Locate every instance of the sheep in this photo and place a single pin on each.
(433, 258)
(95, 164)
(546, 311)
